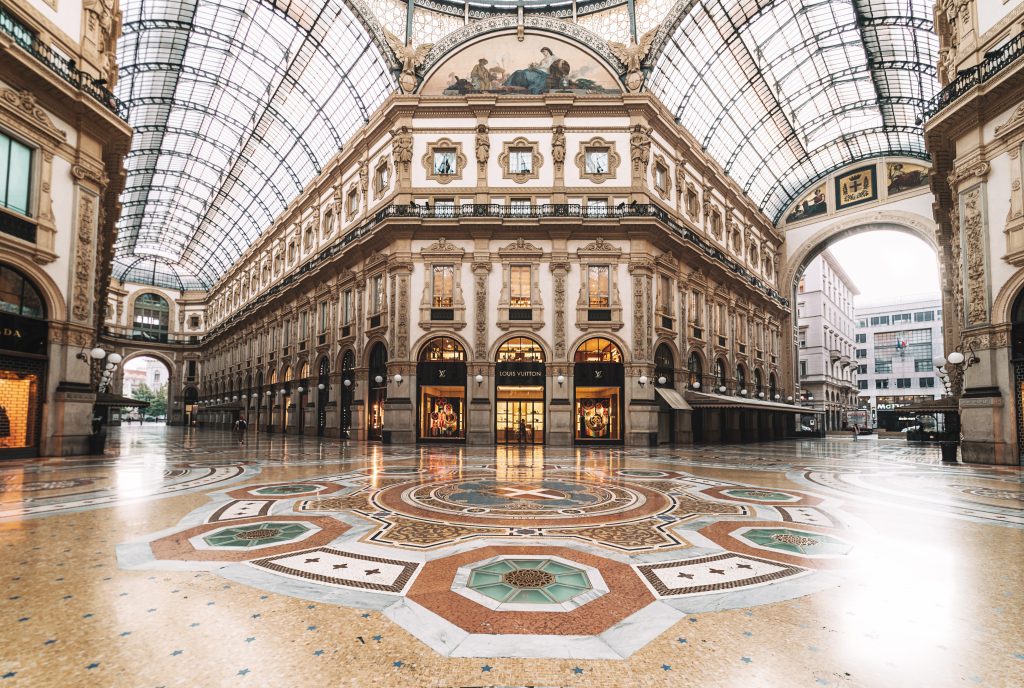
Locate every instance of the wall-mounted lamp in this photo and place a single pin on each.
(95, 354)
(479, 379)
(642, 380)
(348, 383)
(398, 378)
(560, 379)
(301, 390)
(743, 392)
(760, 395)
(113, 358)
(268, 392)
(790, 398)
(777, 397)
(662, 379)
(321, 386)
(378, 379)
(253, 395)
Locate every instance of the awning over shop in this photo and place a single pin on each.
(705, 400)
(673, 398)
(118, 400)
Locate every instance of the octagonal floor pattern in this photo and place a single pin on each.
(183, 553)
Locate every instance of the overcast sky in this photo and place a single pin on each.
(888, 266)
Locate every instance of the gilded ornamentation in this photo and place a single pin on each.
(974, 240)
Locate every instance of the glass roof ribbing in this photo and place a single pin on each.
(236, 106)
(781, 92)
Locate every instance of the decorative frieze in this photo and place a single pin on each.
(975, 247)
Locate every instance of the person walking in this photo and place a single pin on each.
(856, 431)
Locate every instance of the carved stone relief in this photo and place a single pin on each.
(84, 267)
(559, 269)
(480, 271)
(974, 245)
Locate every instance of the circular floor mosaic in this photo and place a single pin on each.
(549, 502)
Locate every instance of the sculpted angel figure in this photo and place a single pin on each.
(632, 56)
(410, 56)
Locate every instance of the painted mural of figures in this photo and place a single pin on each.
(481, 76)
(538, 77)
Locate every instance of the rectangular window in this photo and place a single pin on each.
(323, 317)
(862, 384)
(926, 382)
(883, 366)
(691, 202)
(879, 320)
(595, 161)
(900, 318)
(377, 294)
(520, 207)
(444, 286)
(303, 325)
(346, 307)
(659, 177)
(922, 365)
(862, 322)
(862, 369)
(285, 334)
(15, 173)
(665, 294)
(881, 384)
(520, 160)
(924, 316)
(382, 178)
(803, 369)
(444, 207)
(520, 276)
(861, 338)
(598, 277)
(861, 353)
(904, 382)
(597, 207)
(444, 162)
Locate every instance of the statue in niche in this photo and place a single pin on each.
(558, 145)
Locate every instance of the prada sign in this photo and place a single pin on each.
(27, 335)
(519, 374)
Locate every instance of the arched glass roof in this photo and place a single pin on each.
(781, 92)
(238, 104)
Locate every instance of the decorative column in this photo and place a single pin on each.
(642, 408)
(481, 418)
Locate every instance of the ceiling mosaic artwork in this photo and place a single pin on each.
(238, 104)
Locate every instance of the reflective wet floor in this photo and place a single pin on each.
(188, 558)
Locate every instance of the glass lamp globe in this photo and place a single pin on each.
(939, 361)
(743, 392)
(398, 378)
(662, 380)
(115, 358)
(642, 380)
(97, 353)
(695, 385)
(321, 386)
(479, 378)
(348, 383)
(378, 379)
(956, 358)
(560, 379)
(301, 390)
(722, 389)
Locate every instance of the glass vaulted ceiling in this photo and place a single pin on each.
(238, 104)
(781, 92)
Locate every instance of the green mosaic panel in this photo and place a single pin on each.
(529, 581)
(255, 534)
(297, 488)
(797, 541)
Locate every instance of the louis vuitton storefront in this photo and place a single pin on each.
(441, 382)
(598, 378)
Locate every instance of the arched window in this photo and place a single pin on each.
(664, 365)
(696, 370)
(598, 350)
(150, 318)
(721, 379)
(741, 378)
(18, 296)
(442, 349)
(520, 350)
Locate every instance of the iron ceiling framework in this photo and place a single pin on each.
(783, 92)
(238, 104)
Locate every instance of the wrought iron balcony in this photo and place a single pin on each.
(995, 62)
(25, 39)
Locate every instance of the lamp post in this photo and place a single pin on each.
(951, 370)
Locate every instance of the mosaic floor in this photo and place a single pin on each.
(187, 558)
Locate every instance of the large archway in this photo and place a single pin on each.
(854, 354)
(147, 378)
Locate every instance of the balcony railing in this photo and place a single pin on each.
(59, 65)
(477, 210)
(128, 334)
(995, 62)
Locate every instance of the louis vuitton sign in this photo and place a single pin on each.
(519, 374)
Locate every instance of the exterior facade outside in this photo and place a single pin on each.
(62, 142)
(825, 325)
(897, 344)
(975, 134)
